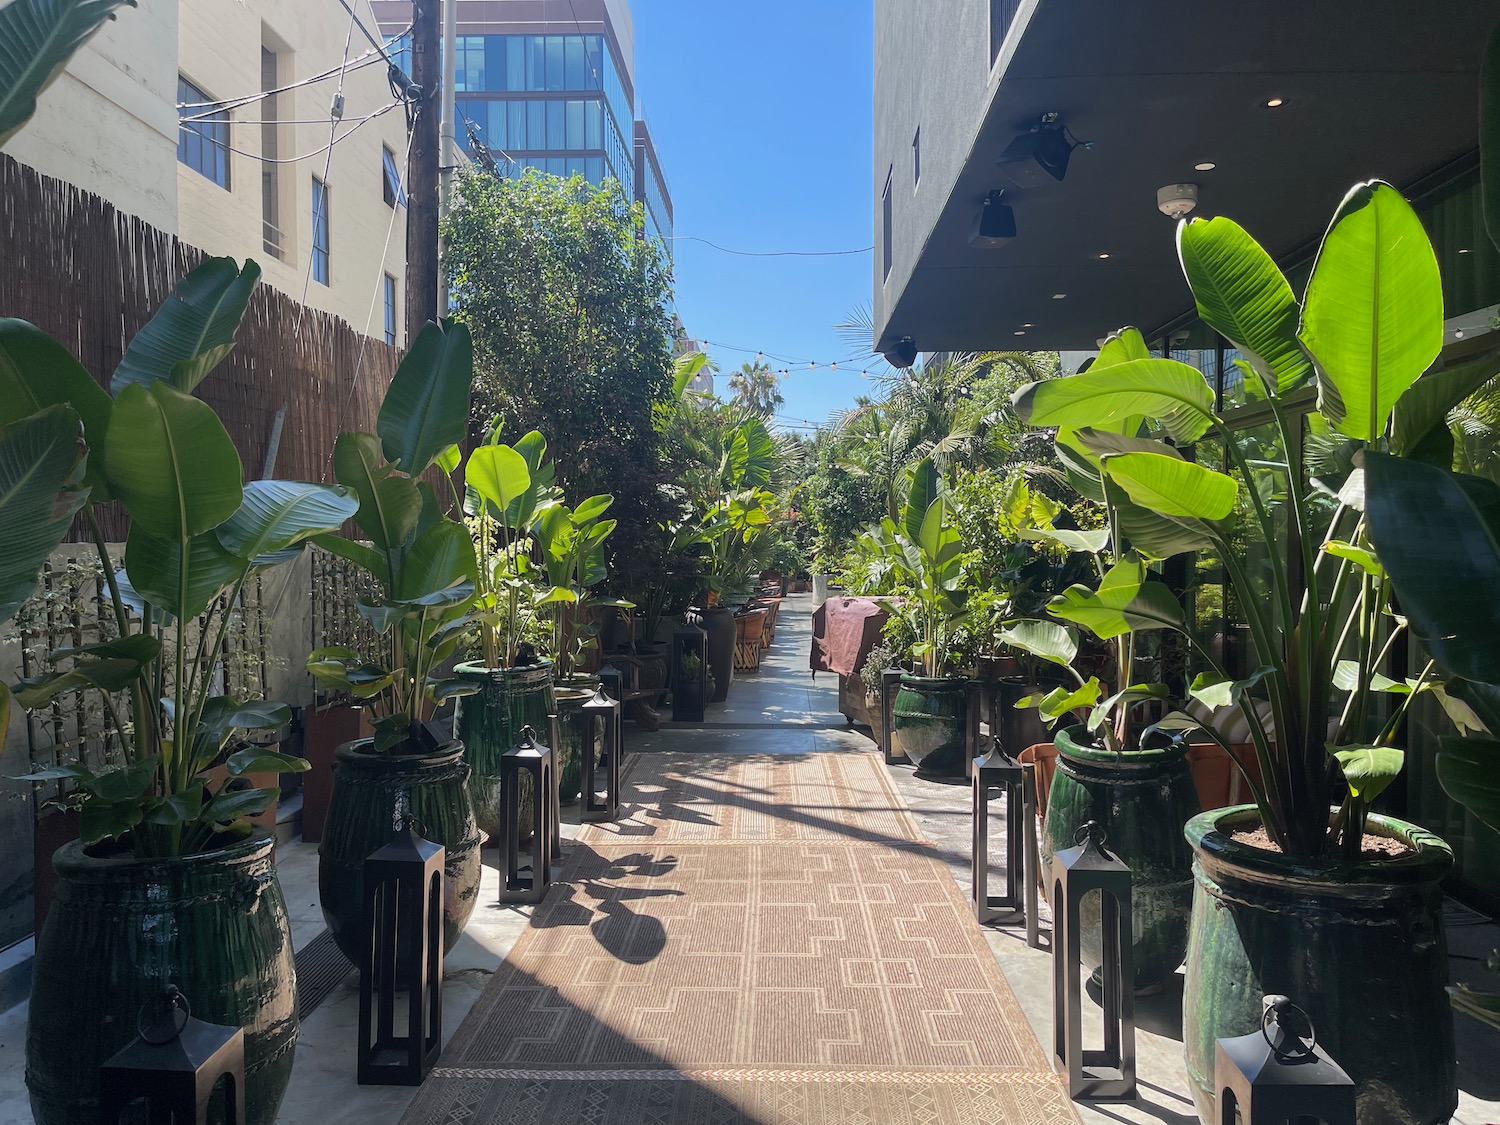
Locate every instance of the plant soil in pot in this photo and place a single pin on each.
(1142, 799)
(371, 794)
(930, 724)
(121, 930)
(1359, 945)
(490, 723)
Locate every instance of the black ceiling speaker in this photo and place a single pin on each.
(1042, 150)
(903, 354)
(995, 225)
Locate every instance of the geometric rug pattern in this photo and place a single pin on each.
(763, 939)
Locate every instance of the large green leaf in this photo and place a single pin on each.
(920, 496)
(1489, 136)
(1369, 770)
(1243, 296)
(1045, 639)
(426, 407)
(1373, 314)
(154, 564)
(752, 455)
(1172, 393)
(1420, 423)
(498, 474)
(1469, 770)
(39, 37)
(36, 372)
(1126, 600)
(171, 461)
(1438, 535)
(389, 504)
(441, 557)
(1087, 542)
(194, 330)
(361, 554)
(41, 474)
(1121, 347)
(276, 514)
(1171, 486)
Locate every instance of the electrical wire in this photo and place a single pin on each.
(223, 105)
(336, 111)
(772, 253)
(372, 40)
(317, 151)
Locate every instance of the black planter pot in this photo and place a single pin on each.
(1143, 799)
(490, 723)
(929, 721)
(121, 929)
(718, 623)
(1360, 946)
(371, 793)
(572, 694)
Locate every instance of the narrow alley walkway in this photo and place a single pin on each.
(764, 936)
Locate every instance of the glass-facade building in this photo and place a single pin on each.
(651, 189)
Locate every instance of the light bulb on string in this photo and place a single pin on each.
(833, 367)
(759, 356)
(812, 366)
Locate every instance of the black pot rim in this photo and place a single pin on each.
(1068, 744)
(933, 683)
(73, 859)
(1218, 852)
(362, 751)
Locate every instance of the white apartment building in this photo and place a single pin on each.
(160, 114)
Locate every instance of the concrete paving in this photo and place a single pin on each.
(780, 709)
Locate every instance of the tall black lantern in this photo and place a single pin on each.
(1279, 1075)
(1107, 1074)
(994, 772)
(403, 914)
(173, 1066)
(601, 749)
(612, 680)
(535, 760)
(890, 684)
(689, 674)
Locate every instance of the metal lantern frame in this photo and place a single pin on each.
(689, 638)
(890, 684)
(1279, 1075)
(600, 749)
(539, 762)
(995, 772)
(403, 916)
(1107, 1074)
(174, 1064)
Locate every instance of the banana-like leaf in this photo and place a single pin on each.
(752, 455)
(498, 474)
(450, 459)
(920, 496)
(1126, 600)
(1087, 542)
(1373, 314)
(193, 331)
(277, 514)
(1219, 692)
(1438, 536)
(592, 508)
(1469, 770)
(1420, 424)
(439, 559)
(1127, 699)
(154, 564)
(360, 554)
(169, 458)
(389, 504)
(1172, 393)
(40, 37)
(140, 647)
(113, 674)
(1170, 486)
(41, 486)
(426, 407)
(1359, 556)
(1121, 347)
(257, 759)
(1243, 296)
(1369, 769)
(1044, 639)
(37, 372)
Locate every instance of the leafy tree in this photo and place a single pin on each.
(568, 310)
(756, 385)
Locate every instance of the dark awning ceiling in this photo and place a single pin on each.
(1377, 88)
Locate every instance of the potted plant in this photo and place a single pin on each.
(1307, 892)
(507, 490)
(877, 660)
(929, 718)
(423, 563)
(169, 883)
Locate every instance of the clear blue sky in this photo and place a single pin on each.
(762, 118)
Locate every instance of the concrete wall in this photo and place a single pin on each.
(221, 54)
(108, 123)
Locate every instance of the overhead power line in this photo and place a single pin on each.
(772, 253)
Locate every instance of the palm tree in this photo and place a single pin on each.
(756, 385)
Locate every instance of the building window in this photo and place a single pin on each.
(390, 309)
(1002, 14)
(202, 134)
(270, 170)
(319, 231)
(885, 227)
(390, 179)
(916, 158)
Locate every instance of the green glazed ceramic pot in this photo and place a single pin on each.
(1142, 799)
(121, 930)
(372, 793)
(490, 723)
(930, 722)
(1359, 946)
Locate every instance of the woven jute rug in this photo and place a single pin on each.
(762, 939)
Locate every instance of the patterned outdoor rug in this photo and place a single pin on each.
(805, 976)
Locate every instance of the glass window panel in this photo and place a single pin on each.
(593, 62)
(594, 169)
(320, 242)
(573, 51)
(494, 62)
(536, 63)
(515, 112)
(515, 61)
(575, 124)
(593, 125)
(499, 135)
(536, 124)
(202, 135)
(555, 69)
(557, 125)
(390, 309)
(556, 166)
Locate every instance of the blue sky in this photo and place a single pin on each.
(762, 117)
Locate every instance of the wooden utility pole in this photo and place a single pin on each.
(422, 173)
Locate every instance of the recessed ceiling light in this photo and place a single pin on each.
(1103, 256)
(1272, 103)
(1464, 250)
(1020, 332)
(1058, 296)
(1028, 324)
(1204, 166)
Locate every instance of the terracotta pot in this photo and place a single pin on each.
(327, 729)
